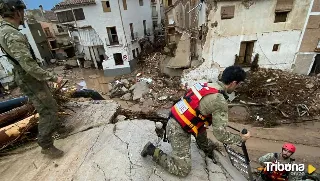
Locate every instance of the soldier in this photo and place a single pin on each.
(29, 76)
(203, 105)
(288, 149)
(284, 157)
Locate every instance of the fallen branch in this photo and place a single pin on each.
(14, 114)
(13, 132)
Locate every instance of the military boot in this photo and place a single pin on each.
(52, 152)
(148, 149)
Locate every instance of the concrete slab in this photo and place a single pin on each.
(303, 63)
(102, 151)
(182, 56)
(91, 114)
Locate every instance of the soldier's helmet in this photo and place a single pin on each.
(8, 7)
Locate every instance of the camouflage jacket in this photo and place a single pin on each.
(217, 105)
(16, 45)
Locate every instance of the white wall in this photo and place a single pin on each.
(6, 74)
(224, 49)
(33, 44)
(256, 23)
(99, 20)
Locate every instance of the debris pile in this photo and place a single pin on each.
(148, 85)
(273, 95)
(19, 119)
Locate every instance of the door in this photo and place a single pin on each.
(245, 53)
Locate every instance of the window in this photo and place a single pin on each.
(275, 47)
(280, 17)
(78, 13)
(227, 12)
(106, 6)
(282, 10)
(137, 50)
(53, 44)
(144, 27)
(141, 2)
(47, 32)
(124, 4)
(169, 2)
(65, 16)
(118, 58)
(113, 36)
(318, 46)
(60, 29)
(134, 53)
(131, 31)
(154, 12)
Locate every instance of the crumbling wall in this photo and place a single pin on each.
(253, 21)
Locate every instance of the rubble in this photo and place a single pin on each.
(126, 97)
(107, 151)
(275, 94)
(87, 64)
(72, 63)
(148, 83)
(141, 88)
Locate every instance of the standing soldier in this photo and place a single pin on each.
(203, 105)
(29, 76)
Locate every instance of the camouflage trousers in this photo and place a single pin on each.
(43, 101)
(179, 162)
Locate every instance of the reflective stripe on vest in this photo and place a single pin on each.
(186, 110)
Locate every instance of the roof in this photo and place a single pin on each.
(39, 15)
(72, 3)
(50, 15)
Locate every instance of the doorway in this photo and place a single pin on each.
(245, 54)
(315, 70)
(118, 58)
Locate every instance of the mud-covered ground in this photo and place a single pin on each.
(275, 95)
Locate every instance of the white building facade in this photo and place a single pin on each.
(108, 30)
(271, 29)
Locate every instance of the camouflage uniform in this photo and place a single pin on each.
(32, 80)
(179, 163)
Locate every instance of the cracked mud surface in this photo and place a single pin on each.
(100, 150)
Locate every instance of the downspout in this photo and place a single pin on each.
(125, 36)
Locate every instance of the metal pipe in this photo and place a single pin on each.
(13, 103)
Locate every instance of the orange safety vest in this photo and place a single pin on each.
(275, 175)
(186, 111)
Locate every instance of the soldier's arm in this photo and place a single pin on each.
(218, 107)
(269, 157)
(19, 50)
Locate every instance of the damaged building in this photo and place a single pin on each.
(307, 60)
(280, 34)
(107, 32)
(56, 35)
